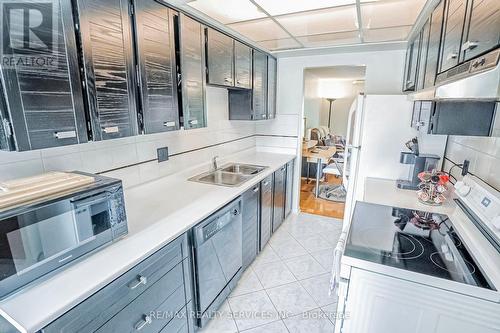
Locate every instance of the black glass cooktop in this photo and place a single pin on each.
(412, 240)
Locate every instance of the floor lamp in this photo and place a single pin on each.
(331, 100)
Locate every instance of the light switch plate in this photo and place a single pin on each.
(162, 154)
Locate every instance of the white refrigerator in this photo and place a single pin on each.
(378, 128)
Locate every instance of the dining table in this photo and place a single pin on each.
(322, 154)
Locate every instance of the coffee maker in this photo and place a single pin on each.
(419, 163)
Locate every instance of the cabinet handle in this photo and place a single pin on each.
(265, 183)
(169, 124)
(256, 189)
(111, 129)
(140, 280)
(451, 56)
(143, 323)
(228, 80)
(65, 135)
(469, 45)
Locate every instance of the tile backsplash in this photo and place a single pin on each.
(221, 137)
(483, 154)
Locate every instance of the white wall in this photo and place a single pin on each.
(100, 156)
(483, 154)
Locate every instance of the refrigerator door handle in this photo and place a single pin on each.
(348, 144)
(337, 263)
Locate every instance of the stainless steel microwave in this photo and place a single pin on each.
(40, 238)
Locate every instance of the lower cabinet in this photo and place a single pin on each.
(250, 217)
(372, 306)
(279, 197)
(290, 166)
(266, 212)
(154, 296)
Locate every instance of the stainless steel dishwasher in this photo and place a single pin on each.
(217, 251)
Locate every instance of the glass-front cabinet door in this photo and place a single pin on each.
(155, 43)
(452, 37)
(193, 72)
(259, 94)
(483, 32)
(109, 67)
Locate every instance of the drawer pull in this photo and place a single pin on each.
(469, 45)
(256, 189)
(451, 56)
(265, 183)
(143, 323)
(140, 280)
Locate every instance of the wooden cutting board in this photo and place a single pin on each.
(19, 191)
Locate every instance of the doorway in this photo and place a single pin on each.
(329, 94)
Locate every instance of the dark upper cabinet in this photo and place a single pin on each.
(456, 117)
(192, 55)
(272, 76)
(424, 49)
(453, 26)
(155, 49)
(483, 30)
(259, 94)
(109, 67)
(42, 105)
(220, 58)
(242, 65)
(432, 59)
(412, 55)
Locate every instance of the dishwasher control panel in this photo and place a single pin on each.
(219, 222)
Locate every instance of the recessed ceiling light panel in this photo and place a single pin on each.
(277, 7)
(320, 21)
(259, 30)
(228, 11)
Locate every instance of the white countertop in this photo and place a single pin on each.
(385, 192)
(157, 212)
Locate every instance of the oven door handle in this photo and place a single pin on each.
(337, 263)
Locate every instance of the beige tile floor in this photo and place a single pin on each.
(286, 287)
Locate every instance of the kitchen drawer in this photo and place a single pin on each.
(181, 323)
(103, 305)
(154, 308)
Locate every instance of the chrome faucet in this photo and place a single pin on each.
(214, 163)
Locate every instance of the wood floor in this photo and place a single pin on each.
(310, 204)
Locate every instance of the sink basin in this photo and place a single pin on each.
(246, 169)
(233, 174)
(220, 177)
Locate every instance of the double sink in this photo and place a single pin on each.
(232, 174)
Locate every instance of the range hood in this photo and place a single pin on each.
(476, 79)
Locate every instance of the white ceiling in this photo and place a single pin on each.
(296, 24)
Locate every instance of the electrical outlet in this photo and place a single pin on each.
(465, 167)
(162, 154)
